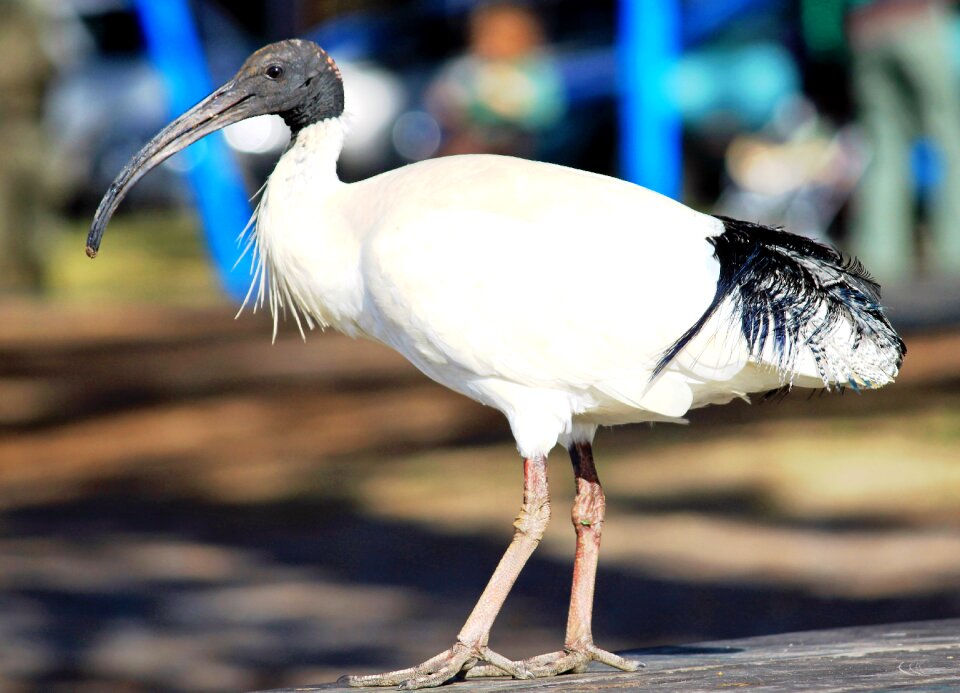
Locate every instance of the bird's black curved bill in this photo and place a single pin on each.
(229, 104)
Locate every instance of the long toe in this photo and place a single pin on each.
(612, 660)
(395, 678)
(574, 660)
(442, 668)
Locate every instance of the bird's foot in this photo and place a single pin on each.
(571, 660)
(447, 665)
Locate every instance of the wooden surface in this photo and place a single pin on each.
(920, 656)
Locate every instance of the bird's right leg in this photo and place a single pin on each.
(471, 645)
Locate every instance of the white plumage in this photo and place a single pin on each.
(545, 292)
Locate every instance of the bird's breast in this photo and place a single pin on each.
(309, 251)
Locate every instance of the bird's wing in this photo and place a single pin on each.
(534, 273)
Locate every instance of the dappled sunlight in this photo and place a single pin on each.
(897, 466)
(860, 564)
(186, 506)
(806, 504)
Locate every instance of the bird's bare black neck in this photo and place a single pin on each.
(325, 101)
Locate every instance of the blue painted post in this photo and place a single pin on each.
(648, 47)
(174, 47)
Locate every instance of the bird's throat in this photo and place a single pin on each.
(307, 250)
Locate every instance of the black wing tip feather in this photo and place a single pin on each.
(764, 270)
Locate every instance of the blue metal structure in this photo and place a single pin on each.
(174, 47)
(648, 46)
(650, 36)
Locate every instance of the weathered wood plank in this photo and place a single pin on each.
(920, 656)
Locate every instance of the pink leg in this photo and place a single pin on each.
(587, 515)
(471, 645)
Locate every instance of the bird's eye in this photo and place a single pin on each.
(274, 72)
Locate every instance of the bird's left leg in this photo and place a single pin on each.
(588, 512)
(471, 645)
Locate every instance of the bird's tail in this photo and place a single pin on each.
(802, 309)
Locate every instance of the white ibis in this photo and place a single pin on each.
(567, 300)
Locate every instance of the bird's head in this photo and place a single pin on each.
(294, 79)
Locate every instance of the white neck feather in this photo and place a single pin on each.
(306, 258)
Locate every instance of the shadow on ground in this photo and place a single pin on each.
(266, 595)
(184, 507)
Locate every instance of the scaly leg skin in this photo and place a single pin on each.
(579, 650)
(471, 646)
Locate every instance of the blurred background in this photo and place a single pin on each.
(186, 507)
